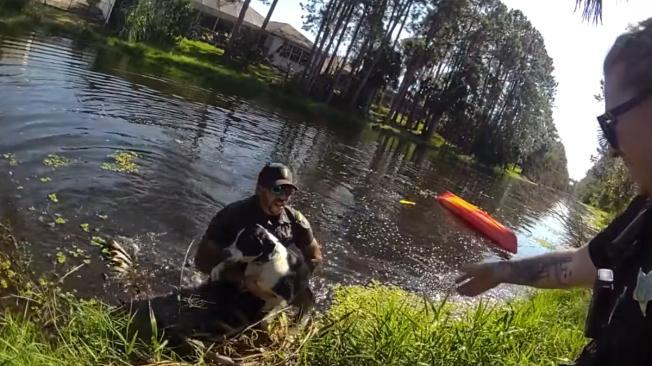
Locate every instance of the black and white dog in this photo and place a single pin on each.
(273, 273)
(276, 277)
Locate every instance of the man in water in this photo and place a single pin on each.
(267, 207)
(618, 319)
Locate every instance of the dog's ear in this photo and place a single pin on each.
(260, 232)
(268, 243)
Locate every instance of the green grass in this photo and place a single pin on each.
(597, 218)
(375, 325)
(381, 325)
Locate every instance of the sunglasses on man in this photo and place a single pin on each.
(609, 120)
(282, 189)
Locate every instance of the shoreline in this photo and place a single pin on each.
(188, 56)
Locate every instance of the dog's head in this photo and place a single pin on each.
(256, 241)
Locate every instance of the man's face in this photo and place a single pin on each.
(634, 128)
(274, 199)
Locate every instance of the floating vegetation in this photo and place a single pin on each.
(98, 241)
(11, 159)
(53, 197)
(60, 220)
(124, 162)
(86, 227)
(45, 179)
(56, 161)
(61, 258)
(76, 252)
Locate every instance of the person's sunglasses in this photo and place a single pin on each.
(609, 120)
(280, 190)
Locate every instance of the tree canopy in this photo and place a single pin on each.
(471, 70)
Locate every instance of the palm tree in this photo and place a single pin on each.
(592, 9)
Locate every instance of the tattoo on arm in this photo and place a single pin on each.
(552, 270)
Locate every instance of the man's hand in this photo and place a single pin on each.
(480, 277)
(312, 255)
(314, 265)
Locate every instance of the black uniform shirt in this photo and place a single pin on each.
(627, 338)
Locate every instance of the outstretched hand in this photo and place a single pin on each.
(478, 278)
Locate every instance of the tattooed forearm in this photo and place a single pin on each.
(551, 270)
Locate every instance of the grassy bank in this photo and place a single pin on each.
(365, 326)
(196, 62)
(386, 326)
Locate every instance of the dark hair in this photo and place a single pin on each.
(634, 50)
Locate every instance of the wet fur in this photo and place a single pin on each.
(280, 274)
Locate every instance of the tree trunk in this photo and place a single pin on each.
(236, 29)
(400, 30)
(269, 15)
(415, 104)
(386, 39)
(340, 21)
(320, 34)
(316, 58)
(262, 33)
(339, 41)
(340, 70)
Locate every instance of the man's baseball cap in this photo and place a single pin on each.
(276, 174)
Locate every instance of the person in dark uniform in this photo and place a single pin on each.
(618, 261)
(267, 207)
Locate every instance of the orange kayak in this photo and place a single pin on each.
(480, 220)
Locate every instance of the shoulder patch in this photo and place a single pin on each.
(301, 220)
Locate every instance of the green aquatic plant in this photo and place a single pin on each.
(60, 258)
(123, 162)
(56, 161)
(45, 179)
(86, 227)
(98, 241)
(11, 159)
(53, 197)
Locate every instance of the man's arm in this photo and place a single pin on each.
(305, 240)
(207, 256)
(209, 251)
(312, 254)
(553, 270)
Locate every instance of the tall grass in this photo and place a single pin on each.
(381, 325)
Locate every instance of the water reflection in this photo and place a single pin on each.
(201, 149)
